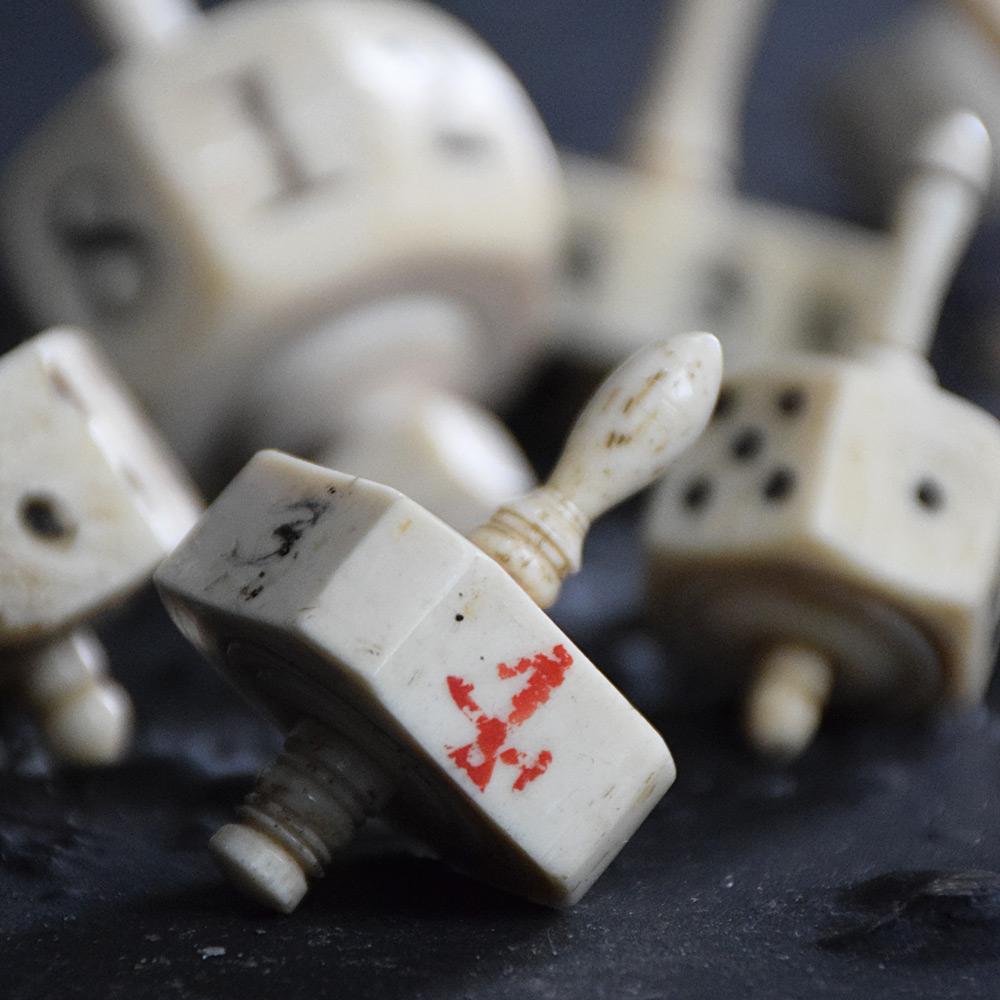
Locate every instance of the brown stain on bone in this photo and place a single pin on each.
(616, 439)
(651, 381)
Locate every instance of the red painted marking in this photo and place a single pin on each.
(536, 770)
(548, 674)
(479, 758)
(461, 695)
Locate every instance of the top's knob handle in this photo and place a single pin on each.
(644, 415)
(935, 216)
(123, 25)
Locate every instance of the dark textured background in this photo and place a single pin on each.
(864, 870)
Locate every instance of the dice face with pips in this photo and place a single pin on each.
(824, 478)
(666, 237)
(271, 208)
(641, 252)
(836, 535)
(451, 700)
(90, 502)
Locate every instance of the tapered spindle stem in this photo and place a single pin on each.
(687, 126)
(305, 807)
(648, 412)
(934, 220)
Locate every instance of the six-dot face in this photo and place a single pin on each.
(277, 164)
(89, 503)
(642, 254)
(878, 483)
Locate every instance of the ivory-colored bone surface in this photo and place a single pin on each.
(270, 175)
(91, 502)
(665, 241)
(342, 607)
(836, 534)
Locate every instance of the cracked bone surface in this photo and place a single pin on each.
(273, 208)
(92, 503)
(413, 673)
(836, 533)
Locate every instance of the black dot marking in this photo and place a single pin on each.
(724, 287)
(779, 485)
(581, 258)
(460, 618)
(929, 494)
(462, 144)
(43, 517)
(115, 264)
(825, 323)
(791, 402)
(697, 494)
(725, 404)
(747, 445)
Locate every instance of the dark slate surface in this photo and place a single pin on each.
(867, 869)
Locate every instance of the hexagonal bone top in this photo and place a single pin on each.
(647, 412)
(934, 219)
(130, 24)
(408, 666)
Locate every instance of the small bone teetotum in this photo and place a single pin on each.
(836, 534)
(666, 237)
(91, 503)
(414, 669)
(279, 209)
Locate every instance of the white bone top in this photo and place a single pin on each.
(205, 204)
(762, 277)
(90, 500)
(453, 458)
(935, 217)
(687, 127)
(648, 412)
(328, 596)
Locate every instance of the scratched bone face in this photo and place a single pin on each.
(523, 761)
(862, 481)
(641, 254)
(89, 503)
(273, 166)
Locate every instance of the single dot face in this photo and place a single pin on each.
(697, 494)
(929, 494)
(45, 518)
(779, 485)
(747, 445)
(791, 402)
(725, 404)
